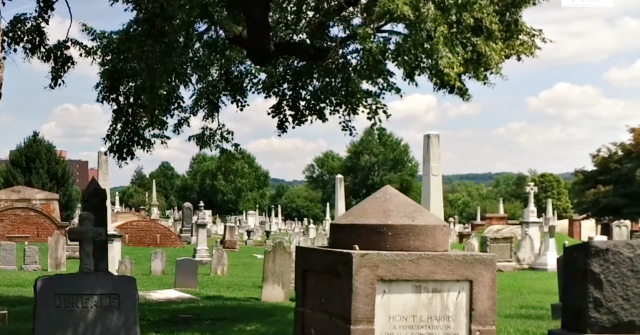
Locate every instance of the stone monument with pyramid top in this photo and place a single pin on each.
(387, 270)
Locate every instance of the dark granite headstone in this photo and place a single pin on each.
(600, 288)
(86, 304)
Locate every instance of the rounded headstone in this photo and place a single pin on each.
(390, 221)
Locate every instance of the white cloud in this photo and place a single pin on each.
(57, 30)
(628, 76)
(584, 35)
(69, 123)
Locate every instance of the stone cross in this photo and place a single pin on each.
(531, 189)
(86, 233)
(93, 200)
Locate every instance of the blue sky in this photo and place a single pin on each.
(579, 93)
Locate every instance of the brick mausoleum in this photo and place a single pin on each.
(29, 214)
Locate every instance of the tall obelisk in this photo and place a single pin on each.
(432, 175)
(114, 238)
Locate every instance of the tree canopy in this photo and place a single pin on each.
(229, 182)
(610, 190)
(35, 163)
(315, 58)
(551, 186)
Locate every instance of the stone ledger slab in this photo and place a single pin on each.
(86, 304)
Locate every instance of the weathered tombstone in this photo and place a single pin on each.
(600, 288)
(621, 230)
(504, 250)
(388, 230)
(187, 219)
(31, 259)
(230, 239)
(472, 244)
(219, 261)
(304, 241)
(186, 273)
(276, 276)
(321, 239)
(125, 268)
(56, 253)
(8, 257)
(526, 254)
(158, 263)
(87, 302)
(201, 251)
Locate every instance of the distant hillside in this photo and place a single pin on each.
(277, 181)
(118, 188)
(485, 178)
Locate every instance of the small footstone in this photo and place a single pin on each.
(249, 242)
(4, 318)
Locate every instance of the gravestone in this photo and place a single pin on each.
(321, 239)
(526, 254)
(31, 259)
(387, 261)
(201, 251)
(56, 252)
(600, 288)
(501, 247)
(158, 263)
(621, 230)
(8, 257)
(219, 261)
(230, 239)
(125, 268)
(186, 273)
(187, 219)
(87, 302)
(472, 244)
(276, 275)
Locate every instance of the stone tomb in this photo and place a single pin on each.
(92, 301)
(387, 271)
(503, 248)
(600, 288)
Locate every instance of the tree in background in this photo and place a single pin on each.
(167, 183)
(314, 58)
(229, 182)
(133, 197)
(511, 188)
(379, 158)
(320, 175)
(140, 179)
(551, 186)
(36, 163)
(612, 188)
(463, 198)
(277, 196)
(303, 202)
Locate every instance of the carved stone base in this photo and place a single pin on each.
(31, 268)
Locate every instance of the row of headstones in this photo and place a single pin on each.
(9, 259)
(186, 274)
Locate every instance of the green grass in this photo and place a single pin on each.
(231, 304)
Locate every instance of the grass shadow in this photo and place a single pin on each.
(217, 315)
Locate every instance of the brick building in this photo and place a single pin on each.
(79, 169)
(29, 214)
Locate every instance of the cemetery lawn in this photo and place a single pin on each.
(231, 304)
